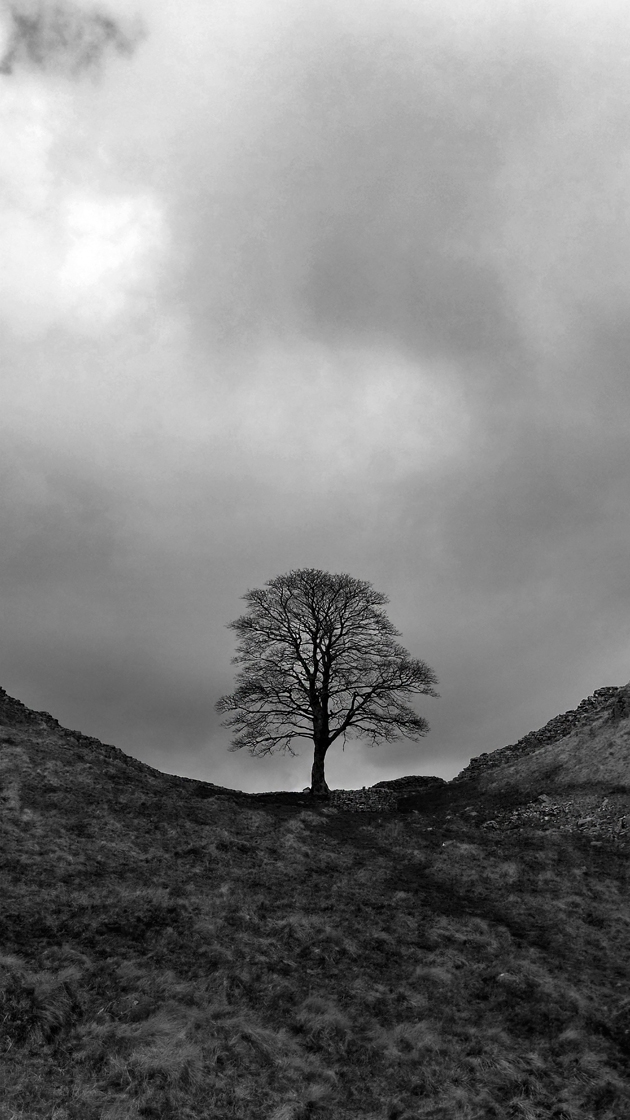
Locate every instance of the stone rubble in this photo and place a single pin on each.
(602, 821)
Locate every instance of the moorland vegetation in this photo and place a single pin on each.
(172, 949)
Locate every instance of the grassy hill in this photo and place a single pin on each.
(173, 949)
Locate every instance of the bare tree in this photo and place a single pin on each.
(318, 660)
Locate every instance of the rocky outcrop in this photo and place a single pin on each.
(557, 728)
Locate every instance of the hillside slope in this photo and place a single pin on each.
(572, 776)
(585, 747)
(170, 948)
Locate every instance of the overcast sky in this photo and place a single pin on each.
(313, 283)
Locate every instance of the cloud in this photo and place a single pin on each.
(77, 250)
(108, 243)
(62, 38)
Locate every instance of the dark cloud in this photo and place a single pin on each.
(63, 38)
(363, 200)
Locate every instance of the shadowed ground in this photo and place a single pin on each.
(173, 949)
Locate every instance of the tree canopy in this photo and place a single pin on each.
(319, 660)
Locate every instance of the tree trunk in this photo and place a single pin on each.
(318, 781)
(319, 708)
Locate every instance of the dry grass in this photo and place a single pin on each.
(171, 957)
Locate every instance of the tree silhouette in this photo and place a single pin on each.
(318, 660)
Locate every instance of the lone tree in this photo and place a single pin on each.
(318, 660)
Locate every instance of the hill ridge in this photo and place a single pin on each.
(614, 698)
(551, 732)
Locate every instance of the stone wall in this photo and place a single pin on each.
(364, 800)
(556, 729)
(383, 796)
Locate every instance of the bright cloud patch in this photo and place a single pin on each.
(109, 244)
(69, 256)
